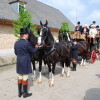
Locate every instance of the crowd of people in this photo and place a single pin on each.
(87, 31)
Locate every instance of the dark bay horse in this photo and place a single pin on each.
(54, 52)
(38, 56)
(82, 46)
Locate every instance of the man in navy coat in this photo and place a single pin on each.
(23, 50)
(75, 54)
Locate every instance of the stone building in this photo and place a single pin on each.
(9, 10)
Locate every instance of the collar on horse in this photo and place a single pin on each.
(51, 50)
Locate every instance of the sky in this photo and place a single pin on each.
(85, 11)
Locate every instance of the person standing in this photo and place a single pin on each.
(74, 54)
(23, 50)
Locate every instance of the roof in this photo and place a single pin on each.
(38, 10)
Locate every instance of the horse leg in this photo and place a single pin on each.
(40, 69)
(81, 62)
(49, 69)
(52, 75)
(84, 62)
(68, 67)
(62, 73)
(34, 70)
(44, 69)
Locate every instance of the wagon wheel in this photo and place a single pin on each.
(93, 56)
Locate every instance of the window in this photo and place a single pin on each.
(16, 5)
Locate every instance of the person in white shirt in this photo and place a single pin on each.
(92, 33)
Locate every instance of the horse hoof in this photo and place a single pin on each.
(62, 75)
(39, 82)
(67, 75)
(49, 81)
(34, 79)
(51, 85)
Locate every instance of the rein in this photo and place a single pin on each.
(50, 45)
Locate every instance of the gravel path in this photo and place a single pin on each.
(84, 84)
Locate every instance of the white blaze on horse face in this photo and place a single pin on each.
(39, 40)
(41, 32)
(68, 37)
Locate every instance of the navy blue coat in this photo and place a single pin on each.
(75, 52)
(23, 50)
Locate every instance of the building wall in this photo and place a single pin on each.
(7, 39)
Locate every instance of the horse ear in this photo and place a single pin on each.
(29, 25)
(46, 23)
(41, 23)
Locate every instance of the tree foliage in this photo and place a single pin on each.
(24, 18)
(65, 27)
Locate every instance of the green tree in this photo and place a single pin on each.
(65, 27)
(24, 18)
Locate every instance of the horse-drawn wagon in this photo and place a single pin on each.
(94, 48)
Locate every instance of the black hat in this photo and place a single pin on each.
(94, 22)
(74, 40)
(78, 22)
(24, 30)
(97, 26)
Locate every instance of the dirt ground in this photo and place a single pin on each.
(84, 84)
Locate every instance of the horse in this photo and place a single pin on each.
(54, 52)
(36, 57)
(82, 47)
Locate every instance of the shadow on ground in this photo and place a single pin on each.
(98, 75)
(92, 94)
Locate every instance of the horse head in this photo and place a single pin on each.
(32, 38)
(43, 32)
(66, 36)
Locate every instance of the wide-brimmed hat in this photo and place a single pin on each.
(93, 26)
(24, 30)
(85, 25)
(97, 26)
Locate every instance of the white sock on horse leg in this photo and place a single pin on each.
(34, 74)
(52, 79)
(63, 70)
(84, 62)
(40, 76)
(81, 62)
(68, 71)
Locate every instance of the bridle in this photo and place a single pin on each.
(47, 46)
(42, 33)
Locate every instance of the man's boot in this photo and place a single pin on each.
(26, 94)
(20, 88)
(74, 67)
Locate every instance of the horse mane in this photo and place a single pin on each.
(32, 39)
(50, 36)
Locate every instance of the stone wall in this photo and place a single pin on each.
(7, 39)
